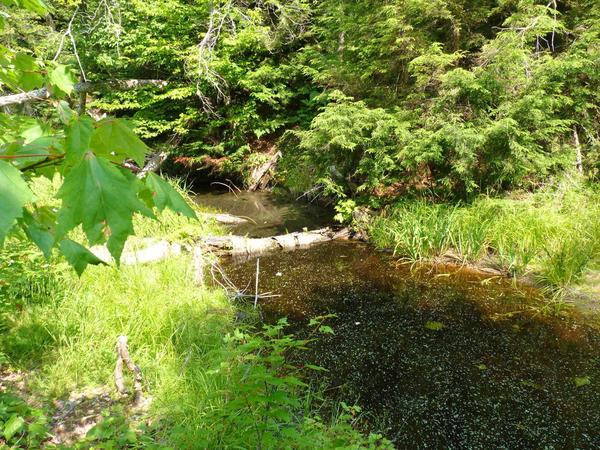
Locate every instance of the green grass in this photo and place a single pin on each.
(207, 391)
(199, 382)
(552, 235)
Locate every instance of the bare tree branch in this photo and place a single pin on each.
(86, 86)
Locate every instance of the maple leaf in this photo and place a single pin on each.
(98, 196)
(14, 193)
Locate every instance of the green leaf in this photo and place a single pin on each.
(435, 326)
(78, 256)
(44, 146)
(38, 233)
(96, 195)
(13, 426)
(582, 381)
(317, 368)
(114, 140)
(64, 111)
(79, 135)
(14, 194)
(28, 72)
(326, 329)
(165, 195)
(37, 6)
(61, 78)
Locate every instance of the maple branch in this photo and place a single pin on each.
(23, 156)
(50, 160)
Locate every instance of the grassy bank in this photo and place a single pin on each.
(552, 235)
(211, 380)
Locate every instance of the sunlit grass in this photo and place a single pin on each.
(551, 235)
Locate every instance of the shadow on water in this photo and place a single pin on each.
(438, 361)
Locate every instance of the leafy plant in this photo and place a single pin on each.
(21, 426)
(98, 192)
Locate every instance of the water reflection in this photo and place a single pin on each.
(268, 214)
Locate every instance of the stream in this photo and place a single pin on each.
(435, 357)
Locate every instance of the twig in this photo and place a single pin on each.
(123, 357)
(231, 183)
(226, 185)
(256, 285)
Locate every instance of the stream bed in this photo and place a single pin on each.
(435, 357)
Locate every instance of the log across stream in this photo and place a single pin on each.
(436, 359)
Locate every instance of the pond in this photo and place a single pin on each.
(435, 357)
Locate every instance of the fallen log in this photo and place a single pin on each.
(221, 245)
(43, 94)
(239, 245)
(154, 251)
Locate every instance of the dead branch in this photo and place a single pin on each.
(86, 86)
(123, 357)
(227, 219)
(260, 178)
(69, 33)
(153, 164)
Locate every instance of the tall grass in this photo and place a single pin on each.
(207, 391)
(553, 235)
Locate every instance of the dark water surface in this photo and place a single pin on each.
(438, 359)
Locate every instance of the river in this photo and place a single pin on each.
(435, 357)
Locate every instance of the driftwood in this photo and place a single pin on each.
(198, 261)
(238, 245)
(227, 219)
(260, 175)
(124, 358)
(155, 251)
(43, 94)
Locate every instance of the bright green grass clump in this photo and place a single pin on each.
(553, 235)
(207, 391)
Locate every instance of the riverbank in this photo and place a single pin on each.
(211, 378)
(550, 238)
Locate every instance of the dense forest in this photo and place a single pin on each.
(447, 132)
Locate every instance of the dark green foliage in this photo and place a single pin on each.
(21, 426)
(451, 97)
(487, 97)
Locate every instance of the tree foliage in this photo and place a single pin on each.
(369, 100)
(98, 193)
